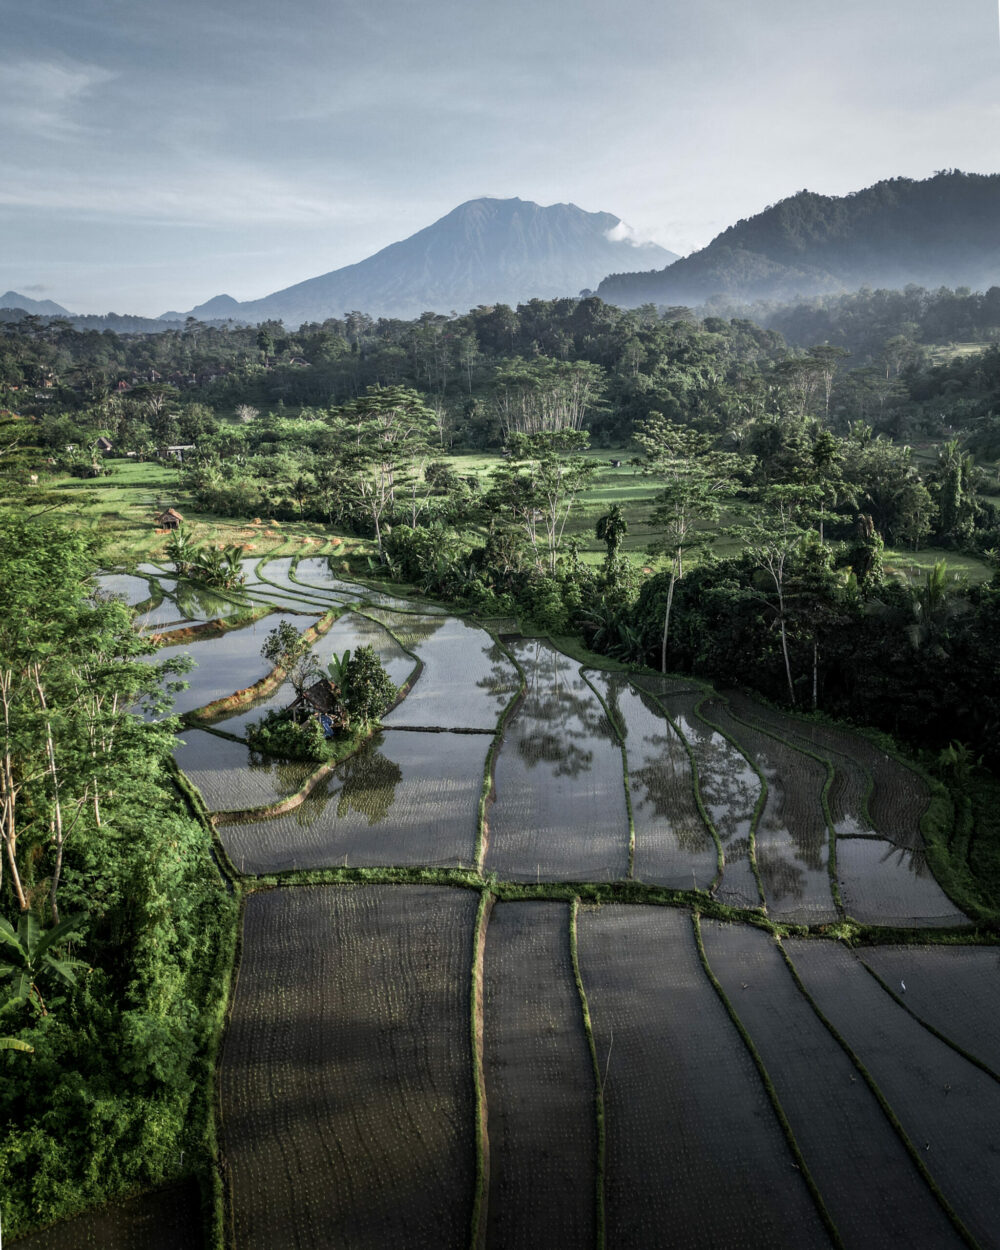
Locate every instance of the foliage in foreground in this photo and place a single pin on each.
(116, 1093)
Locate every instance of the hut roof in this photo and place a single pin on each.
(321, 696)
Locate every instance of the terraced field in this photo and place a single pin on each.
(346, 1087)
(542, 988)
(405, 798)
(558, 809)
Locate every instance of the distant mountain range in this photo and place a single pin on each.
(41, 307)
(486, 251)
(943, 231)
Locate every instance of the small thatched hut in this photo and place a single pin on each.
(322, 700)
(169, 520)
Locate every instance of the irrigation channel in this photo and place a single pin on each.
(551, 961)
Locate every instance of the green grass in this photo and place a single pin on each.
(915, 565)
(944, 353)
(121, 508)
(600, 1237)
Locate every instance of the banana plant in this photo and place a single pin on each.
(15, 1043)
(337, 667)
(31, 951)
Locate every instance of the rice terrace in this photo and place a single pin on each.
(556, 958)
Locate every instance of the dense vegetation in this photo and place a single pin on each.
(121, 1001)
(769, 480)
(786, 462)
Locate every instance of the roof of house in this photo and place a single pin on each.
(322, 696)
(170, 512)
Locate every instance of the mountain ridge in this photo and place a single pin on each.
(941, 231)
(40, 307)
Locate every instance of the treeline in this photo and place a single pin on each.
(147, 391)
(870, 323)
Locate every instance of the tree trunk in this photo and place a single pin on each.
(815, 675)
(666, 619)
(784, 647)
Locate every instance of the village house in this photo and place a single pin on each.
(178, 451)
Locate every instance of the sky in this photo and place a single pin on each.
(156, 153)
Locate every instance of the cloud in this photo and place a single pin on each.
(624, 233)
(211, 193)
(43, 99)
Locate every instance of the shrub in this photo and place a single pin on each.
(277, 734)
(368, 688)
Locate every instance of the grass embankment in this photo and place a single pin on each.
(599, 1205)
(482, 1179)
(619, 732)
(270, 682)
(489, 768)
(210, 629)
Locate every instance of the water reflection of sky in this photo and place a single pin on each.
(559, 811)
(407, 798)
(226, 663)
(465, 683)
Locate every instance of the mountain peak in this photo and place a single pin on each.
(486, 251)
(40, 307)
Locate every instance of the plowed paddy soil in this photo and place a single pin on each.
(346, 1081)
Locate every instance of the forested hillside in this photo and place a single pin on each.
(939, 232)
(722, 431)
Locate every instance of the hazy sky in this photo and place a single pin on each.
(158, 152)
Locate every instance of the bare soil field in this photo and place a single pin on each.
(346, 1075)
(539, 1083)
(695, 1153)
(948, 1107)
(875, 1195)
(955, 989)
